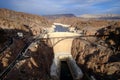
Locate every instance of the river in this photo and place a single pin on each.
(60, 28)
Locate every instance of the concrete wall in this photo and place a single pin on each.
(62, 51)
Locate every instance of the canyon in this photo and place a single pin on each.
(95, 51)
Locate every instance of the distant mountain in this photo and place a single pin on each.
(58, 16)
(101, 16)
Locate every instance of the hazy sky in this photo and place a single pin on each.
(77, 7)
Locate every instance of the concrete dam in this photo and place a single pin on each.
(62, 43)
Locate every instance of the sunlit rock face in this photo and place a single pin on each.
(99, 55)
(33, 24)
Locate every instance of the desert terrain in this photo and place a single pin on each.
(96, 52)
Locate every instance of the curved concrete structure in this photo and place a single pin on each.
(62, 43)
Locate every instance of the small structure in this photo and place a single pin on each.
(20, 34)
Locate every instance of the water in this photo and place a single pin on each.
(61, 29)
(65, 72)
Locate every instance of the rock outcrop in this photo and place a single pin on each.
(99, 54)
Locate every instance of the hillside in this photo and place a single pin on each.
(22, 21)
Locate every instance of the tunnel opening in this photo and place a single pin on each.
(65, 73)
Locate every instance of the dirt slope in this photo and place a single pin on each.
(22, 21)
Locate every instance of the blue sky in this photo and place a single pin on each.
(77, 7)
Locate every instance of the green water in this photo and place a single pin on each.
(65, 72)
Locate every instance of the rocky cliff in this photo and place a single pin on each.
(96, 52)
(98, 55)
(37, 65)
